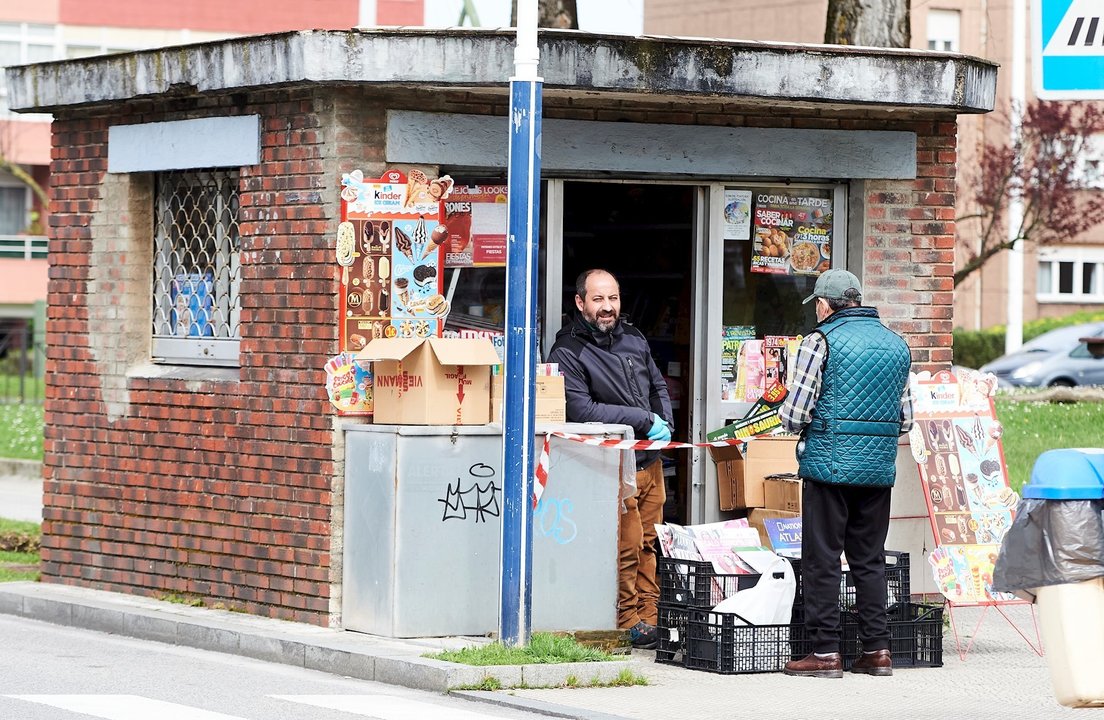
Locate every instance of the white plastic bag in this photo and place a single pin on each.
(769, 602)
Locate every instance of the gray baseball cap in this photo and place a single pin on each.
(832, 283)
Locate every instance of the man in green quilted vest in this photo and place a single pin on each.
(849, 401)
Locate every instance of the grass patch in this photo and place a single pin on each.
(19, 542)
(21, 431)
(489, 684)
(1031, 428)
(189, 600)
(627, 678)
(542, 648)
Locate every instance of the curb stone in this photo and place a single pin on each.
(340, 652)
(27, 469)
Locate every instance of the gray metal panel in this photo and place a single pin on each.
(422, 541)
(183, 144)
(368, 582)
(685, 150)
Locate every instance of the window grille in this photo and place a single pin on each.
(197, 268)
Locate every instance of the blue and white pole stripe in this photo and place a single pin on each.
(518, 401)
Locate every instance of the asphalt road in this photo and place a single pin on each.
(48, 672)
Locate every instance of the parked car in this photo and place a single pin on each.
(1084, 365)
(1056, 342)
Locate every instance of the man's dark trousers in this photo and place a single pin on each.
(853, 520)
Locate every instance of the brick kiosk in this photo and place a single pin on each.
(224, 481)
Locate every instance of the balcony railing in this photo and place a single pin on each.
(26, 247)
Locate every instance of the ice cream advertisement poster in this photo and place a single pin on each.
(394, 193)
(389, 249)
(955, 441)
(349, 384)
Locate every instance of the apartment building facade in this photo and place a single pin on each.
(1057, 280)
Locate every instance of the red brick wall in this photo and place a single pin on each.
(218, 489)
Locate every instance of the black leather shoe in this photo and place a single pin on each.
(829, 666)
(878, 662)
(644, 636)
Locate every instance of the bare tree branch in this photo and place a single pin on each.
(1043, 169)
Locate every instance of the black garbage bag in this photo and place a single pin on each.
(1051, 542)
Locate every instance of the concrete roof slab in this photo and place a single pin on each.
(651, 67)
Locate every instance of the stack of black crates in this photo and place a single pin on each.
(692, 636)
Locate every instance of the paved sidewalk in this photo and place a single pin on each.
(20, 494)
(1000, 677)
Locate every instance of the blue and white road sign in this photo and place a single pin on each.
(1068, 43)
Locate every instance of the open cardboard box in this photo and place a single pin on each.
(436, 381)
(740, 475)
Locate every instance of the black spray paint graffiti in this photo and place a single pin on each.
(480, 499)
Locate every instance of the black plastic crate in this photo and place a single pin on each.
(720, 643)
(671, 627)
(898, 584)
(694, 583)
(915, 636)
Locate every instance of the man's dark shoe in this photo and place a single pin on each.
(829, 666)
(644, 636)
(879, 662)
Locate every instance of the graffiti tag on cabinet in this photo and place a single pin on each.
(478, 501)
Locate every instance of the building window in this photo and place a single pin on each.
(197, 268)
(943, 30)
(14, 204)
(1089, 172)
(1071, 275)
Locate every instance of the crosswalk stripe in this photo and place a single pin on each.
(124, 707)
(384, 707)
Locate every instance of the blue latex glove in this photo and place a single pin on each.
(660, 430)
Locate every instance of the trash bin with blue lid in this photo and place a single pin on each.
(1054, 555)
(1071, 474)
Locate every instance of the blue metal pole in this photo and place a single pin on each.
(518, 402)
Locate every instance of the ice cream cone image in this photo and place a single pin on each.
(436, 239)
(403, 243)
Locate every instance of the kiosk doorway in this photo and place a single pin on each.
(644, 234)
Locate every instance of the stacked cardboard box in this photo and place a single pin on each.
(551, 401)
(741, 473)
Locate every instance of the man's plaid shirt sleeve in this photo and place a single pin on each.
(797, 409)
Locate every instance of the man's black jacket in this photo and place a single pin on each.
(611, 378)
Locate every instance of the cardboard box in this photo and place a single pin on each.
(782, 492)
(756, 517)
(438, 381)
(551, 401)
(740, 475)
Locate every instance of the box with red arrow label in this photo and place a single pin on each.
(438, 381)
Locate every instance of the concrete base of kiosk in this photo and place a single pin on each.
(423, 531)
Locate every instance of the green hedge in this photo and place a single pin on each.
(974, 348)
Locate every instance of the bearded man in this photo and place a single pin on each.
(610, 377)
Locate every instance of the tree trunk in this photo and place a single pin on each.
(874, 23)
(552, 14)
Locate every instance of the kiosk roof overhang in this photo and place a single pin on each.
(571, 63)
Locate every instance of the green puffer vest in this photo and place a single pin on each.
(852, 436)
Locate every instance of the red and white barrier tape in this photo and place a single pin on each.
(541, 474)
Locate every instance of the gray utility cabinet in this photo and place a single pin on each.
(423, 531)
